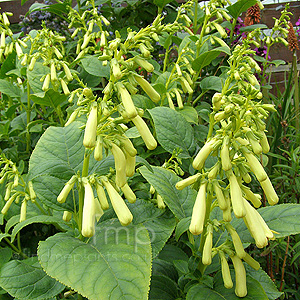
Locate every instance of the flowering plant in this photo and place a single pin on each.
(145, 183)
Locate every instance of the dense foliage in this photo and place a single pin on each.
(134, 143)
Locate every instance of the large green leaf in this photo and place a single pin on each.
(240, 6)
(9, 89)
(159, 223)
(115, 264)
(211, 83)
(282, 218)
(35, 75)
(57, 156)
(95, 67)
(173, 131)
(207, 57)
(25, 280)
(180, 202)
(50, 98)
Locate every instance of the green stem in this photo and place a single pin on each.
(60, 115)
(232, 30)
(14, 248)
(28, 113)
(195, 17)
(203, 234)
(19, 241)
(40, 208)
(166, 60)
(79, 7)
(296, 91)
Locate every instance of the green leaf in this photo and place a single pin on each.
(182, 227)
(159, 223)
(50, 98)
(5, 255)
(282, 218)
(162, 288)
(207, 57)
(200, 291)
(58, 156)
(266, 282)
(115, 264)
(162, 3)
(239, 7)
(36, 219)
(253, 27)
(211, 83)
(27, 281)
(173, 131)
(142, 102)
(189, 113)
(35, 75)
(180, 202)
(94, 66)
(171, 252)
(278, 62)
(9, 89)
(4, 235)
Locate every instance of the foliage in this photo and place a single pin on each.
(160, 115)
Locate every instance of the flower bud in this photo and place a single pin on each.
(67, 216)
(207, 249)
(255, 166)
(90, 133)
(116, 69)
(31, 191)
(101, 196)
(199, 160)
(237, 243)
(228, 284)
(236, 197)
(224, 155)
(67, 72)
(254, 226)
(240, 276)
(220, 196)
(185, 86)
(251, 262)
(3, 42)
(89, 211)
(46, 83)
(128, 193)
(123, 213)
(126, 100)
(144, 64)
(64, 87)
(160, 202)
(148, 89)
(145, 133)
(249, 195)
(23, 211)
(269, 191)
(199, 211)
(62, 197)
(180, 185)
(130, 164)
